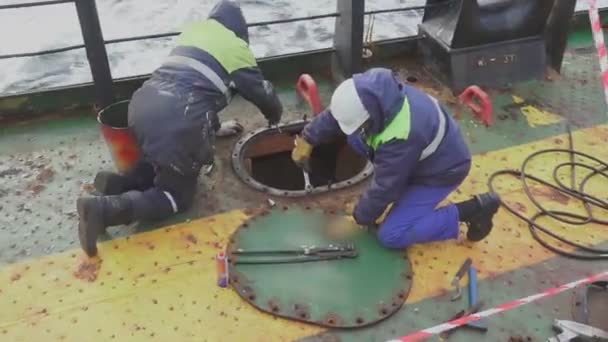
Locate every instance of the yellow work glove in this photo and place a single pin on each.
(342, 227)
(301, 152)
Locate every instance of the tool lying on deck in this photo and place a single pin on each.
(424, 334)
(598, 290)
(574, 330)
(474, 303)
(223, 276)
(456, 281)
(298, 255)
(471, 310)
(474, 299)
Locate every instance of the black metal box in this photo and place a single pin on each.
(493, 65)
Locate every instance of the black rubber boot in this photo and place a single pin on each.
(480, 223)
(98, 213)
(110, 183)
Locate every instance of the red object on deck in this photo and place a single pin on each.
(222, 269)
(307, 89)
(480, 104)
(120, 139)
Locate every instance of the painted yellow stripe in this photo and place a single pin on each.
(160, 285)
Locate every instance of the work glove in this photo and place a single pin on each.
(342, 227)
(275, 117)
(301, 152)
(228, 128)
(274, 113)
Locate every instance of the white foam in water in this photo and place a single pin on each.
(49, 27)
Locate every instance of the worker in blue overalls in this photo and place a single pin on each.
(419, 158)
(174, 116)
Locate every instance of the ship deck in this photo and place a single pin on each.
(158, 282)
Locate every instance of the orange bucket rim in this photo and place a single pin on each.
(100, 113)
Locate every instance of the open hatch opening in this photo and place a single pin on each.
(263, 160)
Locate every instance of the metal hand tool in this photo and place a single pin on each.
(474, 299)
(307, 185)
(298, 255)
(456, 281)
(581, 309)
(460, 314)
(571, 330)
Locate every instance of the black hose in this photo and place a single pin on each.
(589, 201)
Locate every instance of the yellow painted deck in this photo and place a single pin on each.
(161, 285)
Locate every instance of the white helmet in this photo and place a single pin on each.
(346, 107)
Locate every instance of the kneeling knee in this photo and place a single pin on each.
(393, 238)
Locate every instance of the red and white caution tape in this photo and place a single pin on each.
(438, 329)
(598, 38)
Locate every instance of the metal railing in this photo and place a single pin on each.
(35, 4)
(348, 37)
(93, 43)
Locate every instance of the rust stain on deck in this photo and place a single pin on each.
(192, 239)
(88, 269)
(171, 279)
(550, 194)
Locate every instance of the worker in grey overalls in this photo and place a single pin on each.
(174, 118)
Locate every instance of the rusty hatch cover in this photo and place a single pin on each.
(347, 293)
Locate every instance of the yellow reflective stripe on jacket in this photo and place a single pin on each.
(398, 128)
(230, 51)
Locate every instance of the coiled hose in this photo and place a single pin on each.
(589, 201)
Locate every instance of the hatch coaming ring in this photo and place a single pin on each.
(262, 160)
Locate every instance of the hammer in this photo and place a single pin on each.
(474, 299)
(456, 281)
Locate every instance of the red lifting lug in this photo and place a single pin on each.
(306, 89)
(479, 102)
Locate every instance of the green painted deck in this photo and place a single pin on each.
(46, 164)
